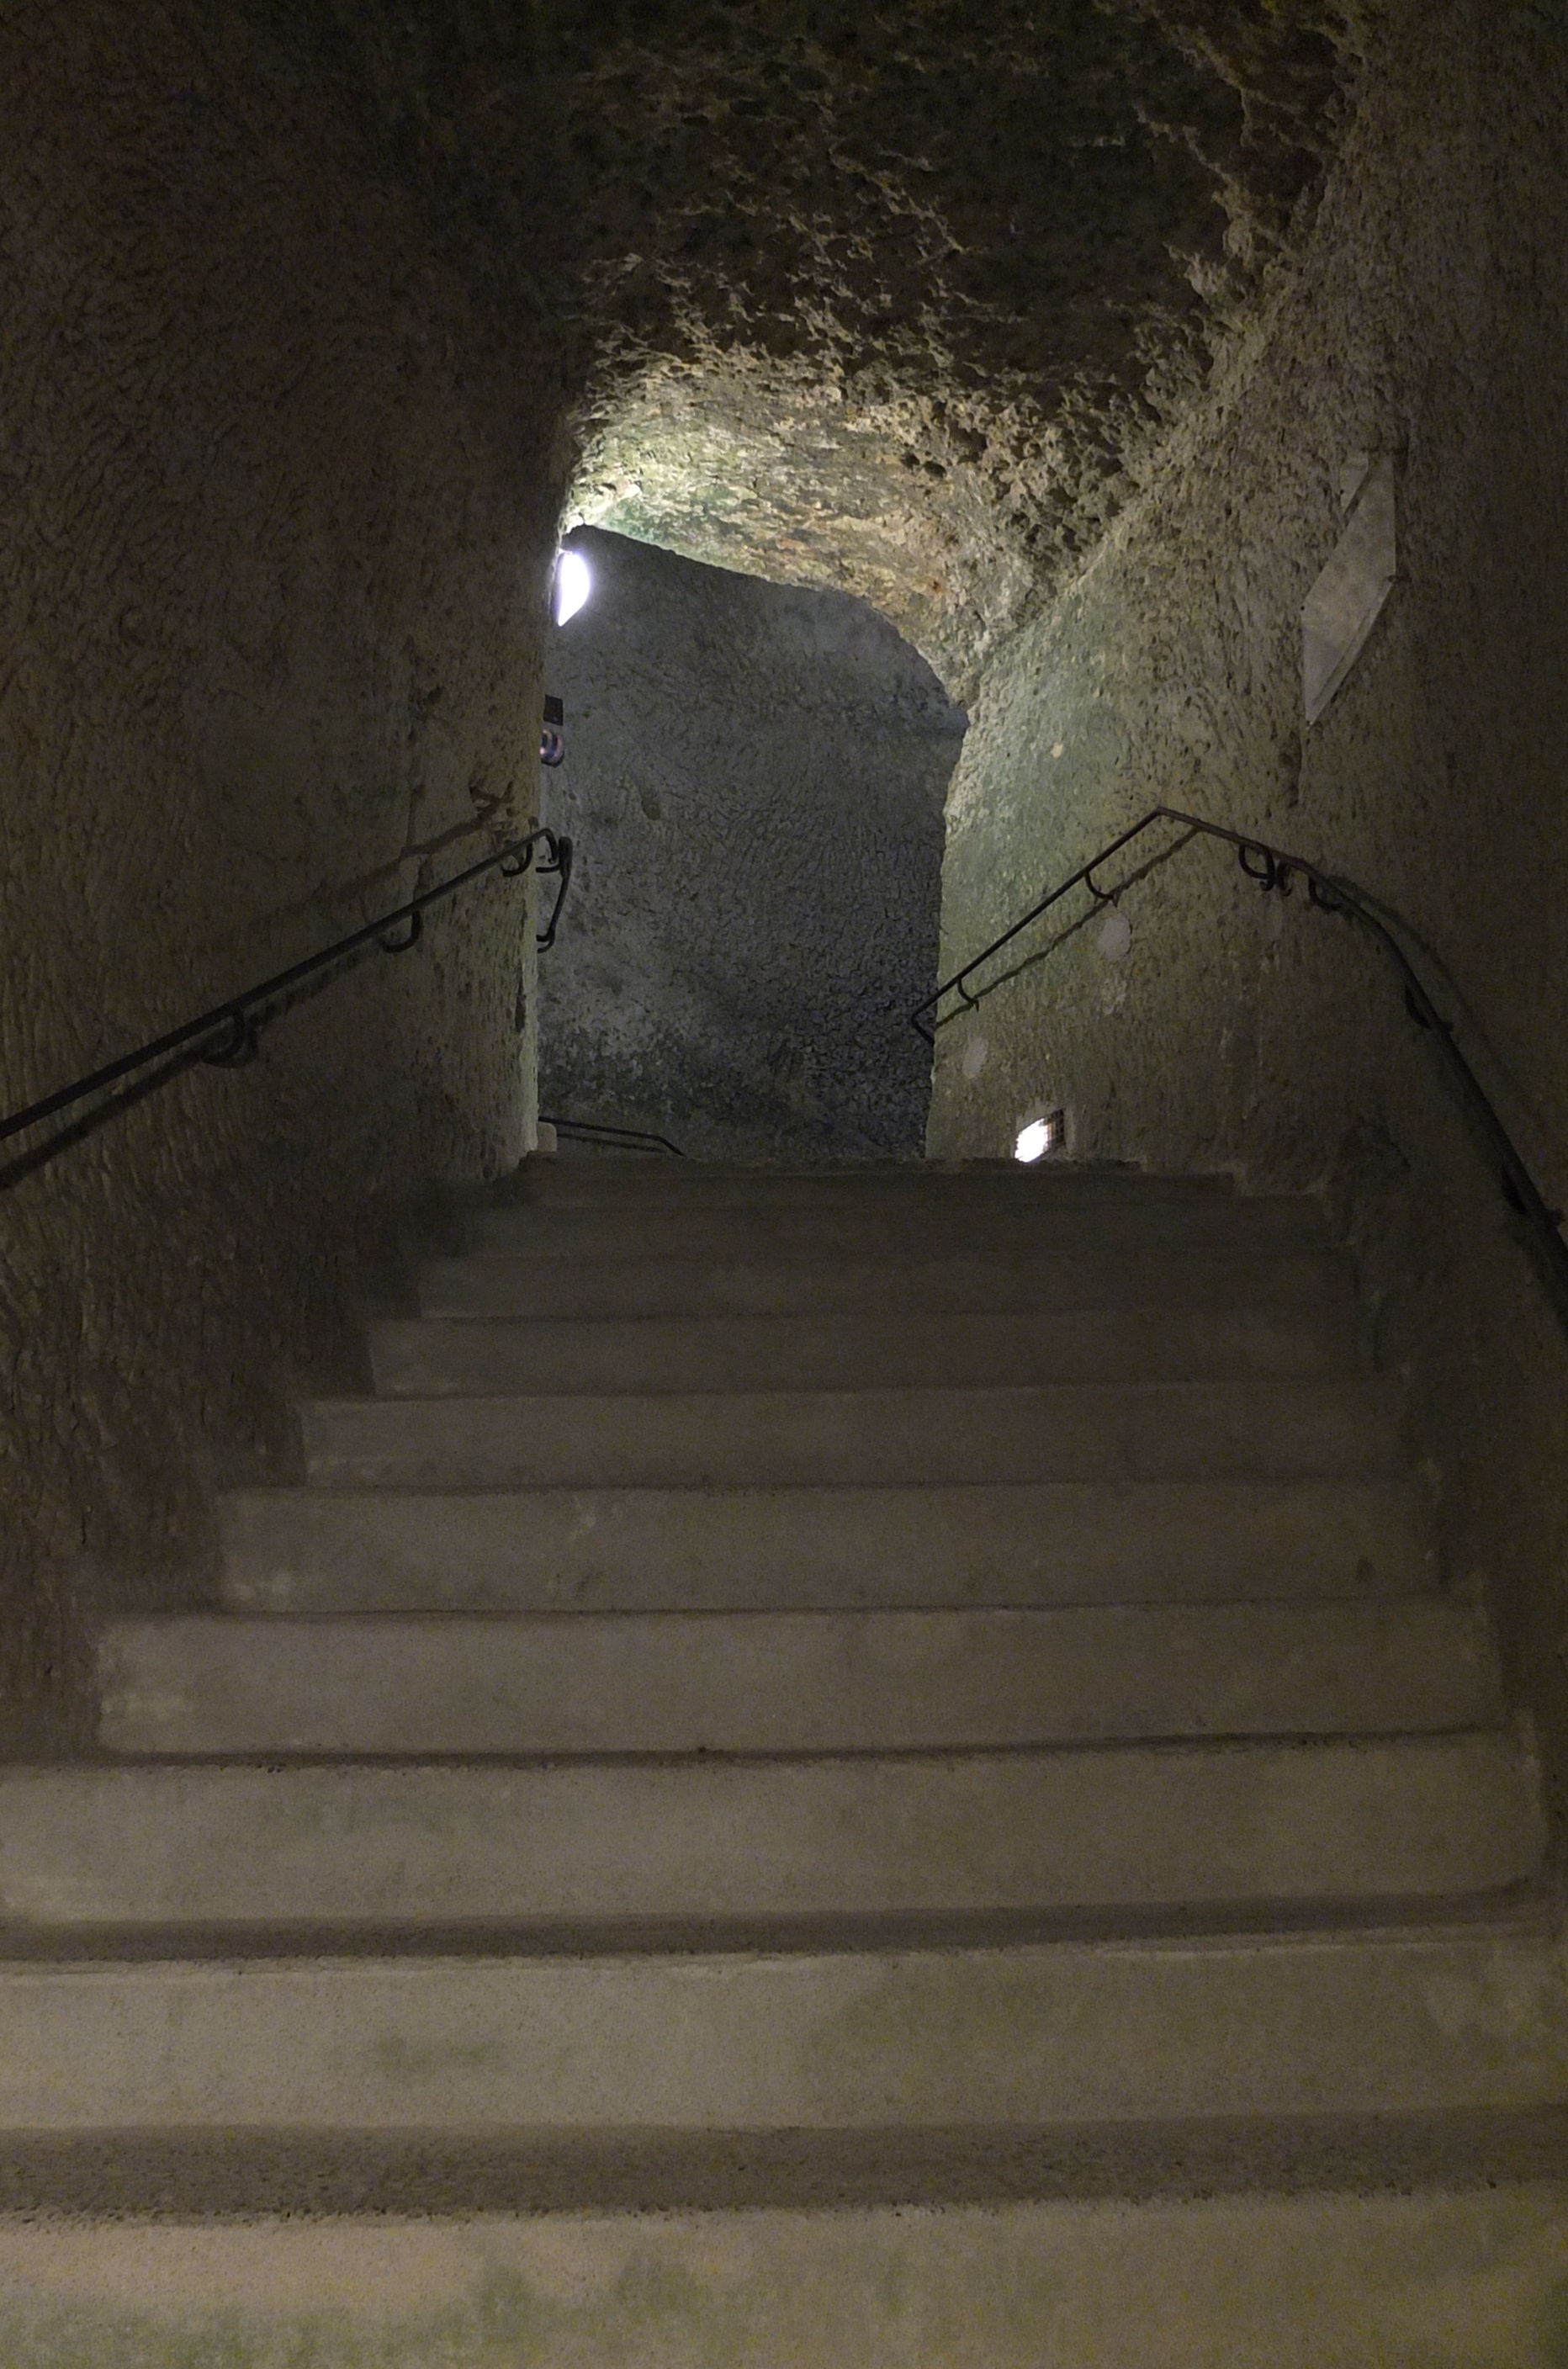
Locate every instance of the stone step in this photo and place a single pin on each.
(475, 1358)
(958, 1185)
(957, 1281)
(722, 1549)
(1263, 1430)
(1166, 1828)
(581, 1682)
(976, 2040)
(1458, 2276)
(895, 1233)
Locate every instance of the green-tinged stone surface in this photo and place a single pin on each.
(1397, 2282)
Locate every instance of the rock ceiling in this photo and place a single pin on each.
(897, 296)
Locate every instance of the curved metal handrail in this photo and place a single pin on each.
(1273, 869)
(593, 1130)
(228, 1035)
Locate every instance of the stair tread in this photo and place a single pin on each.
(893, 1231)
(481, 1355)
(1003, 1431)
(549, 1184)
(1097, 2033)
(1014, 1542)
(1152, 1828)
(544, 1683)
(957, 1279)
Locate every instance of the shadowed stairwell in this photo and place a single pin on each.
(843, 1751)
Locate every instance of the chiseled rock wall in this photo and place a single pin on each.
(893, 300)
(754, 782)
(1429, 322)
(273, 557)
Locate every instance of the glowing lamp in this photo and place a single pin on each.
(1041, 1135)
(573, 584)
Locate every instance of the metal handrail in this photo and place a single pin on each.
(228, 1035)
(1275, 870)
(593, 1130)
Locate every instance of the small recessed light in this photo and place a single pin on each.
(1040, 1135)
(573, 584)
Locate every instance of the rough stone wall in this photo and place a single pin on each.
(958, 273)
(1429, 321)
(274, 538)
(754, 780)
(896, 300)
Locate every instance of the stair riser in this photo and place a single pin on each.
(865, 1437)
(544, 1550)
(806, 1682)
(474, 1359)
(1154, 1828)
(620, 1289)
(957, 1190)
(1309, 2281)
(957, 2038)
(887, 1232)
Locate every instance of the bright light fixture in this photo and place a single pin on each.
(573, 584)
(1041, 1135)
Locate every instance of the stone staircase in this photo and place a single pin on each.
(919, 1703)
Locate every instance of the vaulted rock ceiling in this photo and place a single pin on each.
(897, 296)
